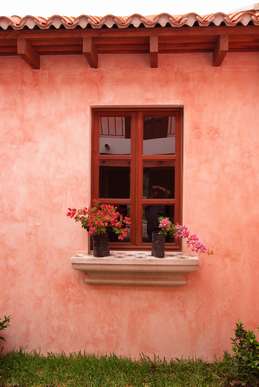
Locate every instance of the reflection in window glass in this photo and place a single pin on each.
(150, 219)
(114, 182)
(159, 135)
(158, 182)
(124, 210)
(115, 135)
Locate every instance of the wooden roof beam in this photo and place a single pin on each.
(153, 51)
(221, 50)
(28, 53)
(89, 52)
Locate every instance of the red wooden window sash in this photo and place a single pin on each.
(136, 201)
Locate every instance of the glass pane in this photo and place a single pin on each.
(150, 218)
(114, 182)
(158, 179)
(159, 135)
(115, 135)
(124, 210)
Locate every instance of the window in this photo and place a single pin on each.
(137, 166)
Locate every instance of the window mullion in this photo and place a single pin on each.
(138, 176)
(95, 157)
(133, 179)
(178, 169)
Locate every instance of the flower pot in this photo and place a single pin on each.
(158, 245)
(101, 245)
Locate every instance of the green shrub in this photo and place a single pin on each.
(246, 355)
(3, 325)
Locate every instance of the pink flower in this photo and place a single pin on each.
(71, 212)
(166, 227)
(192, 240)
(181, 231)
(164, 223)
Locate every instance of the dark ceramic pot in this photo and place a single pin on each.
(101, 245)
(158, 245)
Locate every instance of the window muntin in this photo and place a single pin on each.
(136, 177)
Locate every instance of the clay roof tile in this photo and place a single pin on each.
(244, 18)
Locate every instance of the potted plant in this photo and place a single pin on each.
(98, 221)
(166, 228)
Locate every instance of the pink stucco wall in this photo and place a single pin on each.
(45, 167)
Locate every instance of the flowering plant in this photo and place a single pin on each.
(166, 227)
(99, 219)
(192, 240)
(182, 232)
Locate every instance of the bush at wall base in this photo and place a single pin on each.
(3, 325)
(246, 355)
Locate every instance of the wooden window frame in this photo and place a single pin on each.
(136, 158)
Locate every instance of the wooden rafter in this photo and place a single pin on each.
(220, 50)
(28, 53)
(89, 52)
(153, 51)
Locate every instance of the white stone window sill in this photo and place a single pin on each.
(136, 268)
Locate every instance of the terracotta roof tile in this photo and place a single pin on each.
(136, 20)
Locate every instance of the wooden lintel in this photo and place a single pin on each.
(220, 50)
(28, 53)
(153, 51)
(90, 52)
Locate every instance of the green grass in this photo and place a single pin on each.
(20, 369)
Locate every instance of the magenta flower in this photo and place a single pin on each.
(192, 240)
(166, 226)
